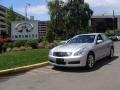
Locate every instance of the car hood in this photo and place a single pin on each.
(71, 47)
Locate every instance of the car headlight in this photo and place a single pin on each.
(69, 53)
(80, 52)
(50, 52)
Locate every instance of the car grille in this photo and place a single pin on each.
(60, 54)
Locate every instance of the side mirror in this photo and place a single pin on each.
(99, 41)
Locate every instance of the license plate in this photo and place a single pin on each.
(60, 59)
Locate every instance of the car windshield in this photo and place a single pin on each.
(82, 39)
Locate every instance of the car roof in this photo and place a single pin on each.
(91, 34)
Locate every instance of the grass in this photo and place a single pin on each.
(22, 58)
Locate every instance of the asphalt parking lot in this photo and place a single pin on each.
(105, 76)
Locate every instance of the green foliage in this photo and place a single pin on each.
(19, 43)
(22, 58)
(113, 33)
(9, 45)
(1, 47)
(11, 16)
(5, 45)
(50, 36)
(39, 40)
(32, 43)
(68, 18)
(29, 43)
(24, 44)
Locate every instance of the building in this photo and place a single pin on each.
(3, 13)
(102, 23)
(42, 28)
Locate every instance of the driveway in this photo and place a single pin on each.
(105, 76)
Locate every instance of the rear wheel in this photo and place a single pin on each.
(90, 61)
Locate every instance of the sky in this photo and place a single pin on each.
(38, 8)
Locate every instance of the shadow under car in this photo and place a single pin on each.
(99, 64)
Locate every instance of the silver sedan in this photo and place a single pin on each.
(82, 50)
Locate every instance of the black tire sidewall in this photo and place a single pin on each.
(87, 63)
(110, 52)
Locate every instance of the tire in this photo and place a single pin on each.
(111, 53)
(90, 61)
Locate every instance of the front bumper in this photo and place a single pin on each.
(70, 61)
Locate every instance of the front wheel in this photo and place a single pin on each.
(90, 61)
(111, 53)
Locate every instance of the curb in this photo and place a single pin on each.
(23, 68)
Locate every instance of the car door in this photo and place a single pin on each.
(99, 48)
(107, 45)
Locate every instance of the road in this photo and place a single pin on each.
(105, 76)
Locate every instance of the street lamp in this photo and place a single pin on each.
(114, 21)
(27, 5)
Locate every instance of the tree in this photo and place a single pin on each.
(50, 36)
(56, 15)
(69, 18)
(11, 16)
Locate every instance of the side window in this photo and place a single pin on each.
(104, 37)
(99, 37)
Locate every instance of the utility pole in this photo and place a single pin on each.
(26, 7)
(114, 21)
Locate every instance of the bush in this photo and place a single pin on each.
(8, 45)
(15, 49)
(1, 47)
(5, 40)
(113, 33)
(50, 36)
(39, 40)
(28, 48)
(19, 43)
(4, 47)
(43, 44)
(8, 49)
(22, 48)
(32, 43)
(51, 45)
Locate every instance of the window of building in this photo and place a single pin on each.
(33, 35)
(36, 35)
(19, 36)
(26, 36)
(29, 36)
(22, 36)
(1, 20)
(16, 36)
(13, 36)
(1, 9)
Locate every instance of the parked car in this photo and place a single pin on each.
(82, 51)
(113, 38)
(118, 38)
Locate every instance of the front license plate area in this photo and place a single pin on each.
(60, 61)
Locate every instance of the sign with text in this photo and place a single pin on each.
(24, 30)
